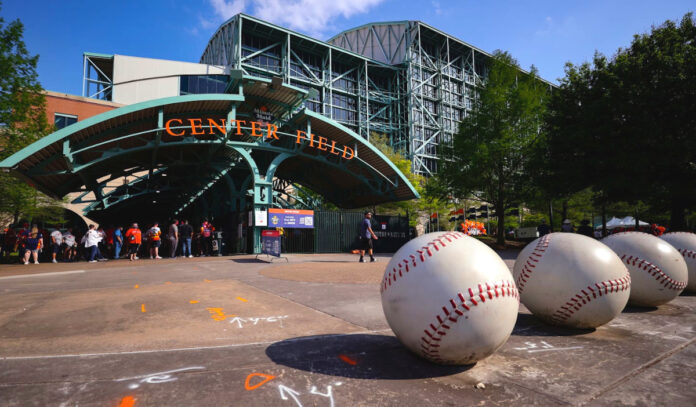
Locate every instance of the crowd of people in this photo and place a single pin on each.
(181, 239)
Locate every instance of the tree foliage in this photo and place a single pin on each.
(489, 154)
(22, 121)
(625, 126)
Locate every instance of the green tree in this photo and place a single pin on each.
(489, 154)
(625, 126)
(22, 121)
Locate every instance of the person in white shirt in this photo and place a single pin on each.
(70, 246)
(56, 242)
(91, 240)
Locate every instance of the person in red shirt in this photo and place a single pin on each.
(134, 239)
(206, 238)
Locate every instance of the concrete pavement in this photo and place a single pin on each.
(233, 331)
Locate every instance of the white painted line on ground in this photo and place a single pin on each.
(136, 352)
(55, 273)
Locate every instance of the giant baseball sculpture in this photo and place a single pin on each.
(449, 298)
(685, 243)
(658, 270)
(571, 280)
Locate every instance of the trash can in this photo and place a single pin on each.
(217, 243)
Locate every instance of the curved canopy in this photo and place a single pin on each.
(161, 155)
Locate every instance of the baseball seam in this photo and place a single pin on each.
(452, 311)
(687, 253)
(530, 262)
(588, 294)
(654, 271)
(404, 265)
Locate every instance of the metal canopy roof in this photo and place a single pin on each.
(131, 143)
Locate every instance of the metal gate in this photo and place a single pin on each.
(337, 232)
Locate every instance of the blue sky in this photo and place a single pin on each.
(544, 33)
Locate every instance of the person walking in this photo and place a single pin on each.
(153, 236)
(134, 239)
(185, 234)
(92, 239)
(118, 241)
(173, 238)
(366, 238)
(56, 243)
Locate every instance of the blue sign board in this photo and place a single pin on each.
(291, 218)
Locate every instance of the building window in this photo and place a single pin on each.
(62, 120)
(197, 84)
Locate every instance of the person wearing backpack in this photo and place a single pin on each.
(134, 239)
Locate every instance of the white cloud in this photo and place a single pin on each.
(313, 17)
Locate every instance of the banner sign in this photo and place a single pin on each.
(270, 242)
(291, 218)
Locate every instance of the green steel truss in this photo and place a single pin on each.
(404, 79)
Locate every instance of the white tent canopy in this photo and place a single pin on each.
(628, 221)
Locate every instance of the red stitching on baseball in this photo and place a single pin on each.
(529, 265)
(577, 301)
(505, 288)
(654, 271)
(687, 253)
(403, 265)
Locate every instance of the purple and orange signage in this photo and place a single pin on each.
(291, 218)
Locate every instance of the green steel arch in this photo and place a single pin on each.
(125, 165)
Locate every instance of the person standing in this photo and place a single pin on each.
(543, 228)
(185, 234)
(206, 238)
(173, 238)
(118, 241)
(92, 239)
(567, 226)
(56, 243)
(70, 248)
(134, 238)
(32, 246)
(366, 238)
(153, 236)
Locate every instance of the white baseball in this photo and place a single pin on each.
(658, 270)
(571, 280)
(449, 298)
(685, 243)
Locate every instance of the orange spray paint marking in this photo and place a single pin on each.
(194, 301)
(168, 282)
(142, 307)
(348, 360)
(136, 286)
(266, 378)
(128, 401)
(207, 281)
(242, 299)
(218, 314)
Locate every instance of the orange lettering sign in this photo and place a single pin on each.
(221, 127)
(169, 130)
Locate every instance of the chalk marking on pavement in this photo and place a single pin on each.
(139, 352)
(142, 307)
(54, 273)
(162, 380)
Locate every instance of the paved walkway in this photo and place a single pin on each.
(232, 331)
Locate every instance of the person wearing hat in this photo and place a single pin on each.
(366, 237)
(567, 226)
(586, 229)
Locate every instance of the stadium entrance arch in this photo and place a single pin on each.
(222, 156)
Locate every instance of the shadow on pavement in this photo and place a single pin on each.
(631, 309)
(356, 356)
(529, 325)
